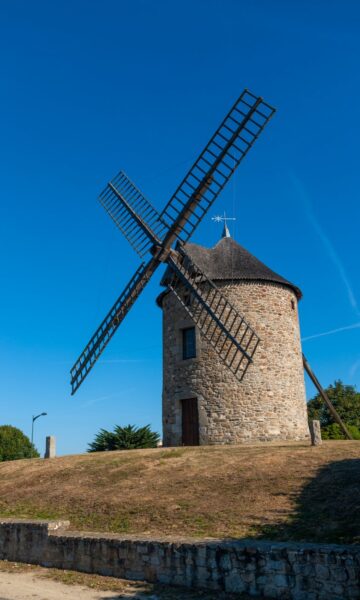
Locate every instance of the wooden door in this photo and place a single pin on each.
(190, 422)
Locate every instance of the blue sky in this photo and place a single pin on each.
(90, 87)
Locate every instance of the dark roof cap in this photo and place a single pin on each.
(230, 261)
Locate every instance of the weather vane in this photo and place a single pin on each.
(224, 219)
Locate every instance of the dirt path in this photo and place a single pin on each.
(27, 586)
(29, 582)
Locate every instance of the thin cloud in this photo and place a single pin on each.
(333, 255)
(119, 360)
(102, 361)
(354, 368)
(98, 399)
(338, 330)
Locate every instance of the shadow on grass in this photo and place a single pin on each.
(174, 593)
(327, 510)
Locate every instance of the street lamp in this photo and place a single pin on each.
(32, 426)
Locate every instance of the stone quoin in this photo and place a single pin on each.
(203, 401)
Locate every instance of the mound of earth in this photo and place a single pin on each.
(279, 491)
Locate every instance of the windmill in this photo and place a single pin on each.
(161, 238)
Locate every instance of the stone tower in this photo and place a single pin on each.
(203, 402)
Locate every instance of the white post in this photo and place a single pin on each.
(50, 449)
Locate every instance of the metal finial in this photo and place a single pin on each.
(224, 219)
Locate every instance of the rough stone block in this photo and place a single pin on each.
(50, 447)
(315, 432)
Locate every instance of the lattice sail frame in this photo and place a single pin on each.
(122, 200)
(217, 162)
(218, 320)
(150, 232)
(109, 325)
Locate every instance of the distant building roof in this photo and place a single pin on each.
(230, 261)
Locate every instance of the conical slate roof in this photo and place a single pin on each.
(230, 261)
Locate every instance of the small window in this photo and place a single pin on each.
(187, 298)
(189, 344)
(293, 304)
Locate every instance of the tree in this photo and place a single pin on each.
(14, 444)
(346, 401)
(124, 438)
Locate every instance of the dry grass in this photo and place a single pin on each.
(279, 491)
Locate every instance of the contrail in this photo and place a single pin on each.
(325, 240)
(354, 368)
(317, 335)
(110, 361)
(93, 401)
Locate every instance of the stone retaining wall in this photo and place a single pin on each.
(262, 569)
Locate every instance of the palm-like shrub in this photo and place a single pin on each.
(124, 438)
(104, 440)
(14, 444)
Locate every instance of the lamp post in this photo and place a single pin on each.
(43, 414)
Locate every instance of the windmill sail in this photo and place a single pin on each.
(109, 325)
(219, 322)
(135, 216)
(215, 165)
(146, 230)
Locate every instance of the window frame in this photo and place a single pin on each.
(185, 345)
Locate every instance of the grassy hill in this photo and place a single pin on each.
(278, 491)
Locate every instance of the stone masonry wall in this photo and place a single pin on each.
(260, 569)
(269, 403)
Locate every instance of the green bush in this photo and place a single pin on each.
(14, 444)
(354, 431)
(334, 432)
(124, 438)
(346, 401)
